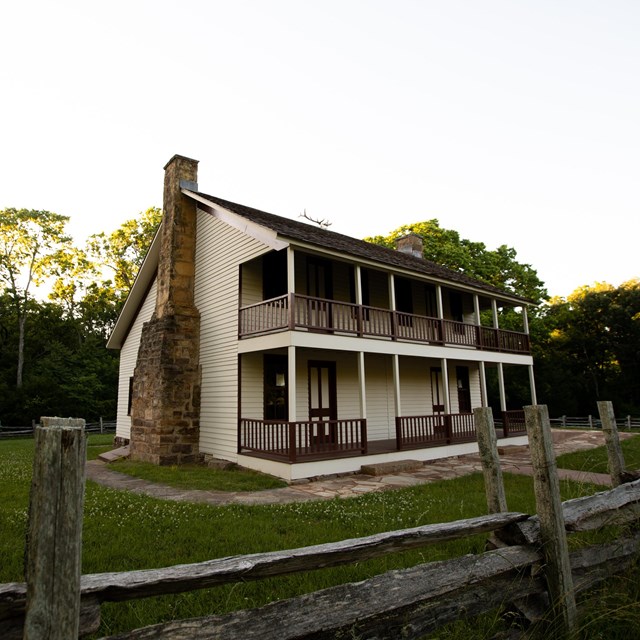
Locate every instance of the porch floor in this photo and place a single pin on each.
(374, 447)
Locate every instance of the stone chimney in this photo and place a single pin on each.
(412, 244)
(165, 406)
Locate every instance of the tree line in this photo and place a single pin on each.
(53, 359)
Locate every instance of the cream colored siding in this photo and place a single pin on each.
(348, 389)
(378, 289)
(251, 282)
(380, 403)
(474, 386)
(342, 282)
(220, 249)
(415, 387)
(252, 404)
(128, 357)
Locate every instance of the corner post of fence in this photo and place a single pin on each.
(552, 528)
(491, 469)
(629, 422)
(590, 421)
(564, 422)
(612, 440)
(54, 535)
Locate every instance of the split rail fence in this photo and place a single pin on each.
(529, 559)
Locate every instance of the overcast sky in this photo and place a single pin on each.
(511, 122)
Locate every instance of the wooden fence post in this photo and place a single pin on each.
(614, 451)
(54, 537)
(488, 447)
(549, 506)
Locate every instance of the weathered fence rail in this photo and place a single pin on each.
(406, 603)
(593, 422)
(102, 426)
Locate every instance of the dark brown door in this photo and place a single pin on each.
(464, 392)
(437, 392)
(320, 289)
(323, 407)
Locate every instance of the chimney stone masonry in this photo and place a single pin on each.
(412, 244)
(165, 407)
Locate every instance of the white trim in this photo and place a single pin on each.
(313, 340)
(258, 232)
(300, 470)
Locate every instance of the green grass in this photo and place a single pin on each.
(124, 531)
(595, 460)
(194, 476)
(98, 443)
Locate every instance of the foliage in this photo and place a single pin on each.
(124, 250)
(52, 354)
(497, 267)
(587, 348)
(32, 248)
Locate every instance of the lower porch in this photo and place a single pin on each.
(316, 440)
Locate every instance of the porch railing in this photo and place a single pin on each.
(296, 311)
(435, 430)
(513, 422)
(302, 440)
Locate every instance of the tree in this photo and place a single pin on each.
(498, 267)
(124, 250)
(589, 348)
(32, 246)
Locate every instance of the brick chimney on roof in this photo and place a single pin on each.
(412, 244)
(165, 403)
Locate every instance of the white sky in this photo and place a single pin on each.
(511, 122)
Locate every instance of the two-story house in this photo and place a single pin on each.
(298, 351)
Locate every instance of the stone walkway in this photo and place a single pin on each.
(514, 459)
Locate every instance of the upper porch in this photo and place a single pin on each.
(296, 312)
(293, 290)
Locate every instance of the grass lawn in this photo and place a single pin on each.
(193, 476)
(124, 531)
(595, 460)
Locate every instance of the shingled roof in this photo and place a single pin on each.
(331, 240)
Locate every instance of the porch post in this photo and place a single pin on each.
(292, 383)
(503, 396)
(476, 308)
(484, 398)
(358, 279)
(532, 385)
(291, 271)
(363, 386)
(525, 320)
(395, 363)
(494, 309)
(439, 304)
(392, 306)
(291, 288)
(445, 385)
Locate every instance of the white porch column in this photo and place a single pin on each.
(363, 386)
(503, 396)
(439, 304)
(532, 385)
(291, 270)
(525, 321)
(494, 308)
(358, 279)
(292, 383)
(483, 385)
(476, 307)
(445, 385)
(395, 362)
(392, 293)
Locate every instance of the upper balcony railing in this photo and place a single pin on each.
(298, 312)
